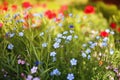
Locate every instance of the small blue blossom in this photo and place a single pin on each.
(69, 38)
(11, 35)
(58, 40)
(21, 34)
(93, 45)
(37, 63)
(55, 72)
(53, 54)
(60, 24)
(10, 46)
(89, 57)
(84, 55)
(104, 44)
(90, 42)
(73, 62)
(88, 51)
(70, 76)
(44, 45)
(105, 39)
(71, 26)
(56, 45)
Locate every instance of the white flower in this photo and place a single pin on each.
(69, 38)
(34, 69)
(84, 55)
(84, 45)
(10, 46)
(97, 37)
(42, 33)
(107, 30)
(64, 37)
(70, 76)
(71, 31)
(21, 34)
(111, 51)
(53, 54)
(36, 78)
(59, 35)
(65, 32)
(73, 62)
(112, 32)
(44, 45)
(70, 14)
(75, 36)
(56, 45)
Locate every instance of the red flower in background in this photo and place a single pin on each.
(5, 8)
(119, 29)
(1, 24)
(26, 4)
(5, 3)
(113, 25)
(44, 5)
(89, 9)
(104, 34)
(63, 8)
(50, 14)
(14, 7)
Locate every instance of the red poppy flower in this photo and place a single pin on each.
(14, 7)
(89, 9)
(63, 8)
(1, 25)
(104, 34)
(5, 8)
(44, 5)
(50, 14)
(5, 3)
(26, 4)
(113, 25)
(119, 29)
